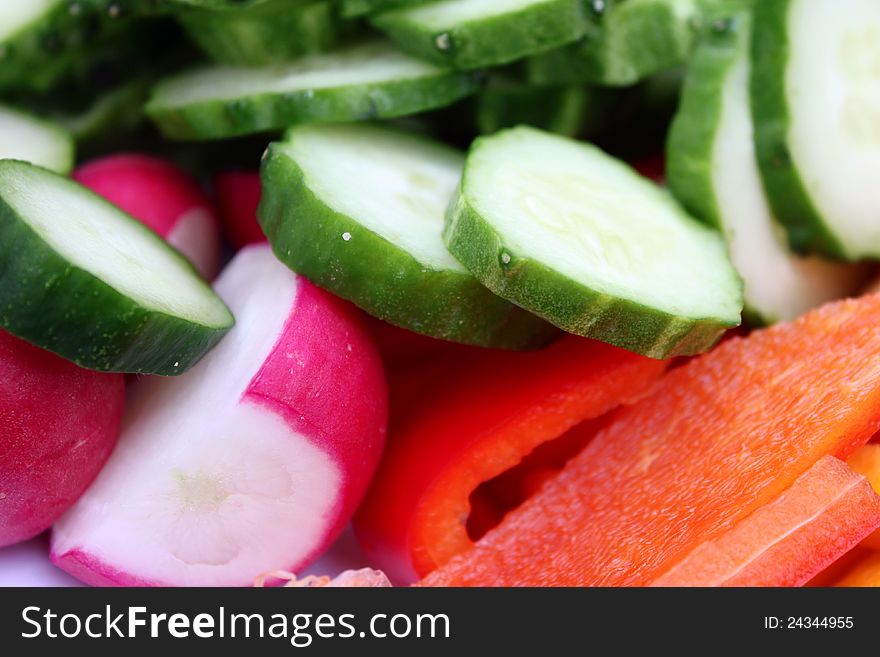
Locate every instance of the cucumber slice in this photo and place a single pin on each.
(366, 81)
(577, 237)
(82, 279)
(469, 34)
(269, 32)
(42, 40)
(631, 41)
(711, 168)
(25, 137)
(359, 209)
(815, 91)
(355, 8)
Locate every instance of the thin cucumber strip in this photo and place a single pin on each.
(362, 82)
(25, 137)
(712, 170)
(577, 237)
(356, 8)
(359, 210)
(82, 279)
(469, 34)
(815, 94)
(270, 32)
(630, 41)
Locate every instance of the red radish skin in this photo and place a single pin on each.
(163, 197)
(58, 425)
(238, 196)
(252, 461)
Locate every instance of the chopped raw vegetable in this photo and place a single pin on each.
(721, 437)
(98, 288)
(481, 418)
(367, 81)
(577, 237)
(58, 424)
(712, 170)
(359, 211)
(824, 513)
(283, 424)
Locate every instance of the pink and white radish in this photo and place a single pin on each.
(58, 425)
(164, 198)
(238, 196)
(252, 461)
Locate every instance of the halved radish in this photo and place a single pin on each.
(238, 196)
(58, 425)
(252, 461)
(164, 198)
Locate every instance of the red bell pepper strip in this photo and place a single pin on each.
(866, 572)
(472, 424)
(866, 462)
(823, 515)
(718, 439)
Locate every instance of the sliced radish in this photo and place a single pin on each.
(164, 198)
(252, 461)
(238, 196)
(58, 425)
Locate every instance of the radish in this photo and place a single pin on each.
(238, 196)
(252, 461)
(164, 198)
(58, 425)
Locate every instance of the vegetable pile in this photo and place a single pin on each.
(527, 292)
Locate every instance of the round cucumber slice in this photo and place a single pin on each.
(815, 91)
(469, 34)
(25, 137)
(711, 168)
(269, 32)
(82, 279)
(366, 81)
(359, 210)
(577, 237)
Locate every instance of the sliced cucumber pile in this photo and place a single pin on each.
(711, 168)
(265, 33)
(366, 81)
(82, 279)
(469, 34)
(815, 91)
(577, 237)
(359, 210)
(25, 137)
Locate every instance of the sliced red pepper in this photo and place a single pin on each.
(823, 515)
(472, 424)
(718, 439)
(866, 462)
(865, 572)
